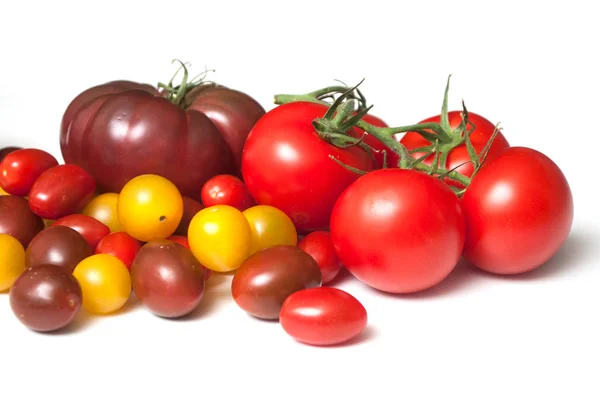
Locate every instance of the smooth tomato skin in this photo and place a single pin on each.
(120, 245)
(17, 219)
(228, 190)
(323, 316)
(285, 164)
(183, 241)
(12, 261)
(104, 209)
(319, 245)
(91, 229)
(60, 191)
(191, 207)
(270, 227)
(519, 212)
(20, 169)
(399, 231)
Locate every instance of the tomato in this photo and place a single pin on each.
(458, 158)
(228, 190)
(191, 207)
(270, 227)
(57, 245)
(90, 228)
(399, 231)
(6, 150)
(287, 165)
(105, 282)
(20, 169)
(3, 192)
(323, 316)
(150, 207)
(519, 211)
(319, 245)
(120, 245)
(17, 219)
(104, 209)
(12, 261)
(60, 191)
(220, 238)
(183, 241)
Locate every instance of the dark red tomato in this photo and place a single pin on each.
(519, 211)
(120, 245)
(6, 150)
(319, 245)
(60, 191)
(286, 165)
(392, 158)
(91, 229)
(323, 316)
(17, 219)
(57, 245)
(399, 231)
(190, 208)
(226, 190)
(459, 158)
(20, 169)
(183, 241)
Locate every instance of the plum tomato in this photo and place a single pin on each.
(120, 245)
(105, 282)
(150, 207)
(267, 278)
(519, 212)
(104, 209)
(319, 245)
(399, 231)
(323, 316)
(20, 169)
(270, 227)
(17, 219)
(12, 261)
(91, 229)
(57, 245)
(220, 238)
(191, 207)
(46, 298)
(226, 189)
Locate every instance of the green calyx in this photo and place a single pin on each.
(177, 94)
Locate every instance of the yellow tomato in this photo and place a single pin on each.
(12, 261)
(220, 238)
(270, 227)
(150, 207)
(105, 283)
(104, 209)
(3, 192)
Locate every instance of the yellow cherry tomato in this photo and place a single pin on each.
(220, 238)
(270, 227)
(3, 192)
(104, 209)
(105, 283)
(150, 208)
(12, 261)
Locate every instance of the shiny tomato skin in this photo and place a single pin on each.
(519, 211)
(104, 209)
(323, 316)
(20, 169)
(191, 207)
(183, 241)
(319, 245)
(285, 164)
(120, 245)
(228, 190)
(399, 231)
(91, 229)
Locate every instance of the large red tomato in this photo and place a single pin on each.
(286, 165)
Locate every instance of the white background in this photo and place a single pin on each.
(534, 68)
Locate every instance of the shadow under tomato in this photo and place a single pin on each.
(82, 321)
(342, 277)
(369, 333)
(216, 293)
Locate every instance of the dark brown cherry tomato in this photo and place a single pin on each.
(17, 219)
(46, 298)
(91, 229)
(190, 208)
(6, 150)
(20, 169)
(183, 241)
(228, 190)
(268, 277)
(57, 245)
(323, 316)
(60, 191)
(319, 245)
(167, 279)
(120, 245)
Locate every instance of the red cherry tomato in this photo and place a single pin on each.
(91, 229)
(228, 190)
(183, 241)
(6, 150)
(519, 211)
(20, 169)
(318, 244)
(120, 245)
(323, 316)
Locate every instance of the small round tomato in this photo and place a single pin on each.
(319, 245)
(91, 229)
(17, 219)
(105, 283)
(12, 261)
(270, 227)
(104, 209)
(226, 189)
(57, 245)
(120, 245)
(20, 169)
(150, 207)
(220, 238)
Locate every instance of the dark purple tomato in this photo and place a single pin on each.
(57, 245)
(46, 298)
(190, 208)
(167, 279)
(6, 150)
(268, 277)
(17, 219)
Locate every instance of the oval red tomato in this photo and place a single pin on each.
(120, 245)
(228, 190)
(20, 169)
(91, 229)
(319, 245)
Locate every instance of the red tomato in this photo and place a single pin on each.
(286, 165)
(91, 229)
(318, 244)
(6, 150)
(183, 241)
(459, 158)
(20, 169)
(392, 158)
(120, 245)
(323, 316)
(60, 191)
(228, 190)
(519, 211)
(400, 231)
